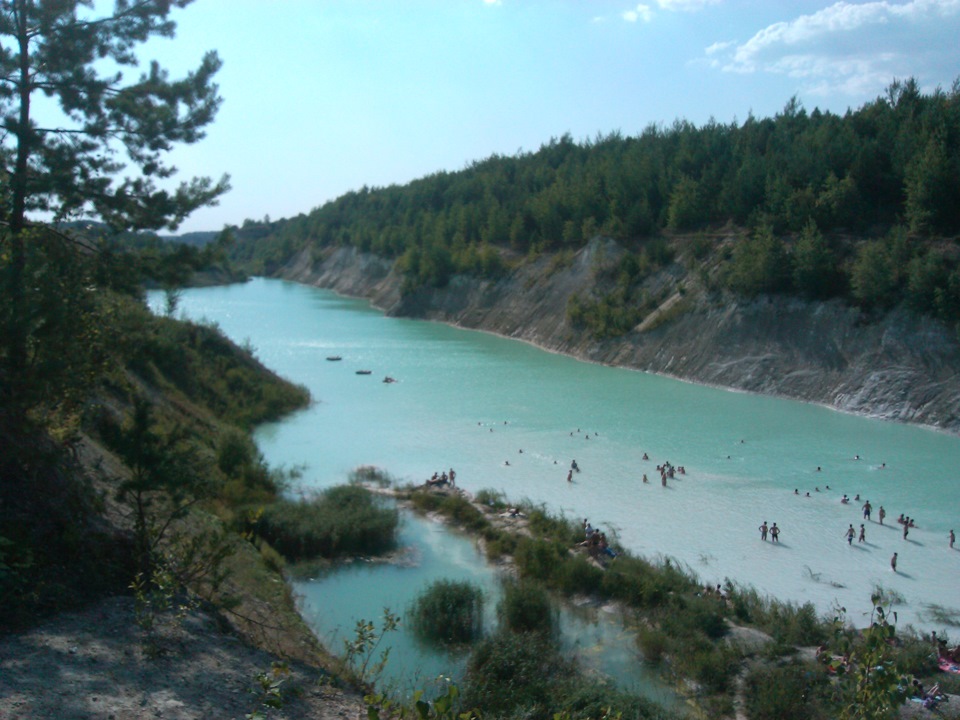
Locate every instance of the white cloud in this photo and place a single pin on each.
(720, 47)
(850, 48)
(641, 12)
(685, 5)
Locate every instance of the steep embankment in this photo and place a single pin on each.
(899, 367)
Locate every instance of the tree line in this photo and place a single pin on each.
(798, 185)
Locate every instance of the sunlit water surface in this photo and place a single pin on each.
(474, 401)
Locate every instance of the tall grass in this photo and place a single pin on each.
(448, 612)
(344, 520)
(526, 607)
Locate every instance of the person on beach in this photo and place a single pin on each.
(867, 509)
(850, 533)
(953, 539)
(881, 514)
(763, 530)
(863, 534)
(774, 533)
(893, 562)
(569, 475)
(906, 529)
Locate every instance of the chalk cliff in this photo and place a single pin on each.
(899, 366)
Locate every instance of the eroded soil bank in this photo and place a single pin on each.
(898, 367)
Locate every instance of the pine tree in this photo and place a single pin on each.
(102, 155)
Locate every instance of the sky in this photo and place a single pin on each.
(321, 97)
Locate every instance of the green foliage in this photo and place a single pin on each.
(168, 475)
(106, 124)
(816, 270)
(870, 686)
(204, 365)
(360, 653)
(786, 622)
(159, 596)
(342, 521)
(893, 158)
(511, 675)
(526, 607)
(793, 691)
(268, 691)
(448, 612)
(370, 475)
(445, 707)
(760, 264)
(58, 317)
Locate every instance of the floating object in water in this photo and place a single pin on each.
(389, 379)
(334, 358)
(364, 372)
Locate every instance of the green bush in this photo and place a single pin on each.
(526, 607)
(344, 520)
(448, 612)
(789, 692)
(510, 675)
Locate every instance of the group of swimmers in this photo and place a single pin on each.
(772, 530)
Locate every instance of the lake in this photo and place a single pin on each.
(511, 417)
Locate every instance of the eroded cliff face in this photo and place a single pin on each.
(899, 367)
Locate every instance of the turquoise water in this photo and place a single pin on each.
(594, 635)
(473, 401)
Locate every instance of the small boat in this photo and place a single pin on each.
(364, 372)
(389, 379)
(334, 358)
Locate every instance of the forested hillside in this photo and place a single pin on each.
(863, 206)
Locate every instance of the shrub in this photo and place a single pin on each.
(789, 692)
(511, 675)
(448, 612)
(526, 607)
(370, 475)
(344, 520)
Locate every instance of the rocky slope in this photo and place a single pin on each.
(898, 367)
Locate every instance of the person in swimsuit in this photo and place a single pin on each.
(893, 562)
(763, 530)
(881, 514)
(850, 533)
(774, 533)
(953, 539)
(863, 534)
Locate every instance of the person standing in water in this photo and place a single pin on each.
(850, 533)
(774, 533)
(882, 514)
(763, 530)
(953, 539)
(893, 562)
(863, 534)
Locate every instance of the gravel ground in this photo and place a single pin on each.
(94, 665)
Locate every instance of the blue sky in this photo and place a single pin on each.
(325, 96)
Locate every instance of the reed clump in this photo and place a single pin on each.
(448, 612)
(342, 521)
